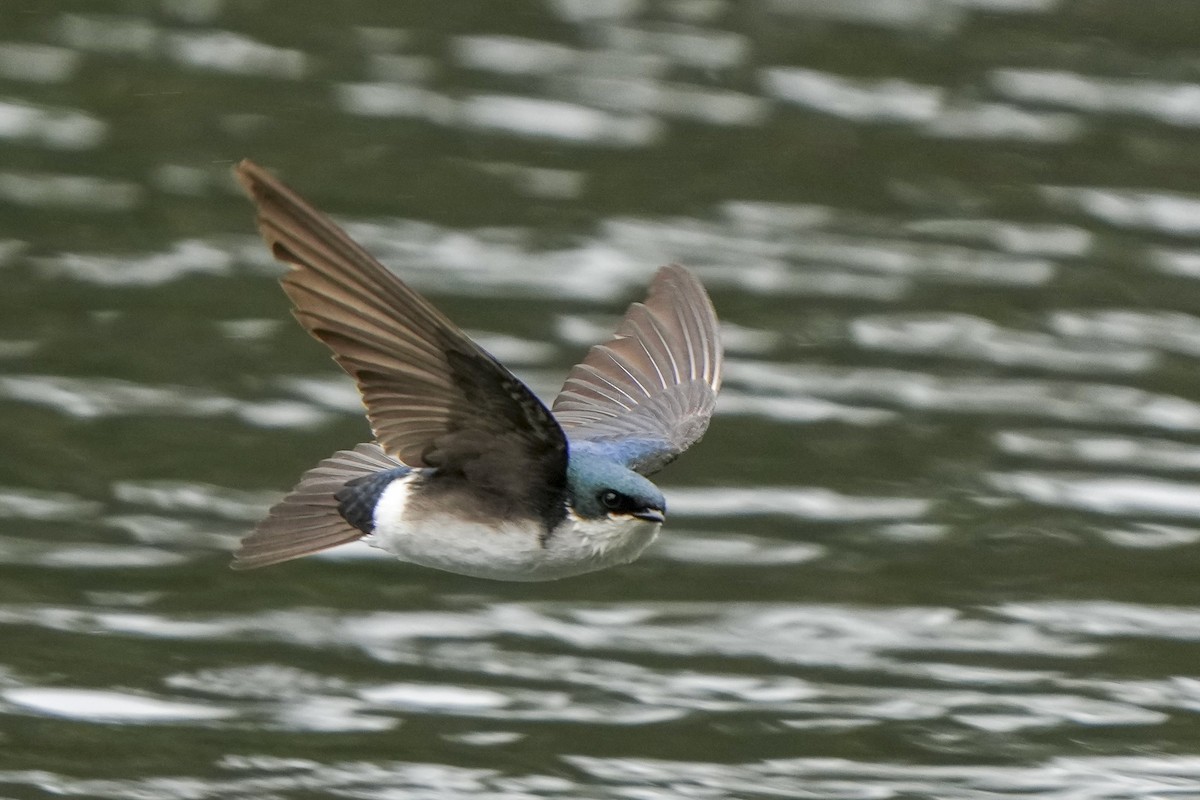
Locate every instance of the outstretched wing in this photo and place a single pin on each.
(647, 394)
(434, 398)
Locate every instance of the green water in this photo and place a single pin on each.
(941, 540)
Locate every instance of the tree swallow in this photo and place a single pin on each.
(470, 472)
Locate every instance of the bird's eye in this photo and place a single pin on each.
(611, 499)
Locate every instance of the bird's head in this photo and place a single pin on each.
(601, 488)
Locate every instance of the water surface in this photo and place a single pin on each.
(941, 540)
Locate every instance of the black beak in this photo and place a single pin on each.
(651, 515)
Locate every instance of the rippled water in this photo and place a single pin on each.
(941, 541)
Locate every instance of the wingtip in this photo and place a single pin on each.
(673, 278)
(675, 269)
(250, 176)
(246, 167)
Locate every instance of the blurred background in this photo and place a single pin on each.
(942, 539)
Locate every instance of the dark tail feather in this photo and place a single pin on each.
(307, 519)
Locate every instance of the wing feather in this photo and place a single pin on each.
(655, 381)
(433, 397)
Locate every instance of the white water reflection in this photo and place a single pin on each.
(779, 279)
(1173, 103)
(1059, 400)
(1010, 236)
(22, 503)
(1108, 619)
(431, 697)
(1004, 121)
(226, 51)
(395, 100)
(1119, 495)
(91, 557)
(685, 45)
(1174, 261)
(504, 676)
(764, 249)
(1171, 213)
(888, 100)
(678, 100)
(82, 192)
(1100, 450)
(620, 778)
(1150, 536)
(178, 535)
(334, 392)
(862, 638)
(54, 128)
(556, 119)
(938, 262)
(972, 338)
(107, 706)
(726, 548)
(93, 398)
(188, 257)
(327, 715)
(505, 673)
(36, 62)
(792, 501)
(513, 55)
(185, 497)
(1171, 332)
(783, 634)
(1087, 778)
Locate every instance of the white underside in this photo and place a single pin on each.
(510, 551)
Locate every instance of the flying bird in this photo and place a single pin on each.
(470, 472)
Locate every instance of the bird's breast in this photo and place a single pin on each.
(459, 539)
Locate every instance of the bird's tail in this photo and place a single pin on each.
(307, 519)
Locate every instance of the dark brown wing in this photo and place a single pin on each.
(648, 393)
(434, 398)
